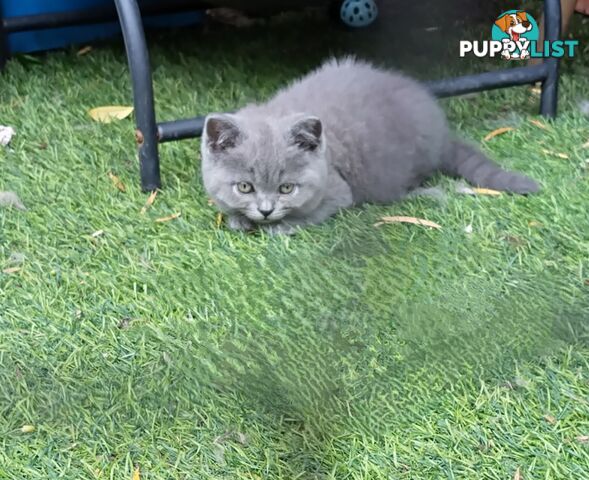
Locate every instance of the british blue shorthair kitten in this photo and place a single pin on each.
(346, 134)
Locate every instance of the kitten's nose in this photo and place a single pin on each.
(265, 212)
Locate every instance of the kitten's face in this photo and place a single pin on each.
(264, 170)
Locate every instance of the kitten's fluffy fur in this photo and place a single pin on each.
(345, 134)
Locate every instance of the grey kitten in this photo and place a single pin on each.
(346, 134)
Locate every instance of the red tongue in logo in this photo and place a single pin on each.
(515, 36)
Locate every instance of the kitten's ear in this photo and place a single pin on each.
(307, 133)
(221, 132)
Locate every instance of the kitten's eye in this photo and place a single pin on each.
(245, 187)
(286, 188)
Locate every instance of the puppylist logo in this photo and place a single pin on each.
(515, 36)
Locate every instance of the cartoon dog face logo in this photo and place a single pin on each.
(515, 25)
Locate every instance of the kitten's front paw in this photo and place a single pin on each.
(239, 222)
(279, 229)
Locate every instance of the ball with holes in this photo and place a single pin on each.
(358, 13)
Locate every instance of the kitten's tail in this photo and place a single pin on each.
(469, 162)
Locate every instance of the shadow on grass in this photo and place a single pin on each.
(355, 370)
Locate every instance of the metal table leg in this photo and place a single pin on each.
(138, 58)
(549, 99)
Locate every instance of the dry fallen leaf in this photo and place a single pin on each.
(550, 419)
(11, 270)
(97, 233)
(218, 219)
(210, 202)
(517, 475)
(583, 438)
(539, 124)
(536, 89)
(466, 190)
(168, 218)
(109, 113)
(556, 154)
(412, 220)
(27, 428)
(534, 223)
(85, 50)
(498, 131)
(136, 474)
(486, 191)
(10, 199)
(585, 145)
(116, 181)
(149, 201)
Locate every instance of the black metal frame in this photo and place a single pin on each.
(149, 133)
(546, 72)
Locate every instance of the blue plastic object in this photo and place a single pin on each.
(62, 37)
(358, 13)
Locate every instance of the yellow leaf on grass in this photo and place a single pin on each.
(136, 474)
(498, 131)
(149, 201)
(116, 181)
(550, 419)
(556, 154)
(218, 219)
(583, 438)
(109, 113)
(539, 124)
(11, 270)
(517, 475)
(486, 191)
(412, 220)
(85, 50)
(168, 218)
(536, 89)
(27, 428)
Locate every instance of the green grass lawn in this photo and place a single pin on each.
(344, 352)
